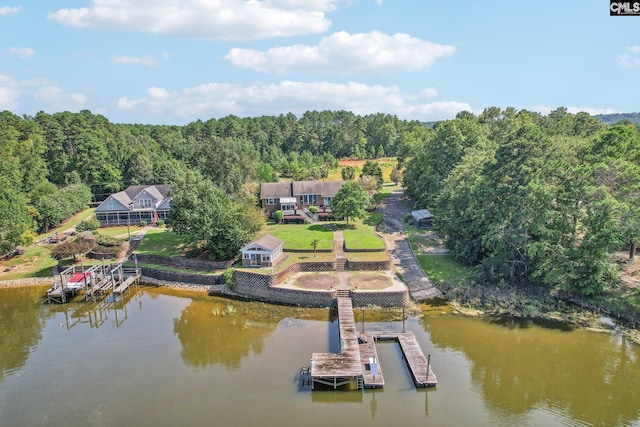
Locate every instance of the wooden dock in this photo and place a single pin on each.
(95, 281)
(345, 368)
(416, 362)
(357, 365)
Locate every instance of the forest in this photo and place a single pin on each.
(531, 199)
(528, 198)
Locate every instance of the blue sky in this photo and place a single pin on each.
(176, 61)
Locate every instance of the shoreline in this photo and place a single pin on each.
(576, 317)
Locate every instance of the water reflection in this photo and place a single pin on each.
(218, 331)
(584, 375)
(21, 325)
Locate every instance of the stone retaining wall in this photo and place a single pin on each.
(369, 265)
(362, 298)
(29, 281)
(183, 262)
(346, 249)
(179, 277)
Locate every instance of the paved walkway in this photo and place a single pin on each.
(420, 287)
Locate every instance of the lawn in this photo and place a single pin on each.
(68, 224)
(35, 262)
(444, 269)
(120, 232)
(160, 241)
(361, 233)
(300, 236)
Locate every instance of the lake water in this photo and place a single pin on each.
(169, 358)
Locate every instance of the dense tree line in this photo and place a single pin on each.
(531, 198)
(49, 157)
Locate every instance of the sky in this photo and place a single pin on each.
(176, 61)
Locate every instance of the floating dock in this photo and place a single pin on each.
(357, 365)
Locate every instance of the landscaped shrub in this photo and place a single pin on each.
(90, 224)
(229, 277)
(313, 209)
(278, 216)
(72, 249)
(109, 241)
(160, 223)
(143, 223)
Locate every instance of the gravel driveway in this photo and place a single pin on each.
(420, 287)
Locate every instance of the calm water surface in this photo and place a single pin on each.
(163, 358)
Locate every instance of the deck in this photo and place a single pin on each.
(357, 365)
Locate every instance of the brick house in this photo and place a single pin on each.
(290, 197)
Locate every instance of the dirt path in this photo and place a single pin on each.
(420, 287)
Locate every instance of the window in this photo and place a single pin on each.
(266, 258)
(308, 199)
(272, 201)
(326, 201)
(146, 203)
(245, 255)
(112, 205)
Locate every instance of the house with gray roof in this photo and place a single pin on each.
(135, 204)
(298, 195)
(264, 252)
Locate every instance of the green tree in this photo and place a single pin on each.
(348, 173)
(373, 169)
(314, 245)
(213, 222)
(350, 201)
(396, 175)
(14, 216)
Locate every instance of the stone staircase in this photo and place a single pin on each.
(340, 264)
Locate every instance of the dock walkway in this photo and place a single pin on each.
(357, 364)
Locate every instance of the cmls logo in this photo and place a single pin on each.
(624, 8)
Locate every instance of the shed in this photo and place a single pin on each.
(264, 252)
(422, 217)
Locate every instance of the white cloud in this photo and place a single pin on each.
(630, 60)
(543, 109)
(22, 52)
(9, 10)
(146, 60)
(203, 19)
(55, 99)
(9, 92)
(221, 99)
(341, 52)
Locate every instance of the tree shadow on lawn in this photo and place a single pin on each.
(320, 227)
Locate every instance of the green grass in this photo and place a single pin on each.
(385, 191)
(444, 269)
(419, 239)
(159, 241)
(361, 233)
(300, 236)
(367, 256)
(176, 270)
(35, 262)
(119, 231)
(68, 224)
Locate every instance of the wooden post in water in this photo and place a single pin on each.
(428, 363)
